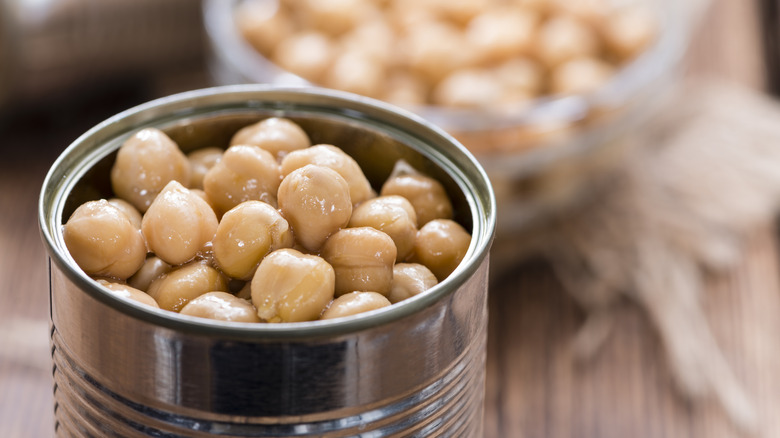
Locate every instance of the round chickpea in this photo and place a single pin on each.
(502, 32)
(245, 173)
(564, 37)
(363, 259)
(145, 164)
(440, 246)
(277, 135)
(201, 161)
(394, 216)
(334, 158)
(103, 241)
(175, 289)
(127, 208)
(290, 286)
(178, 224)
(128, 292)
(264, 24)
(427, 196)
(354, 303)
(316, 202)
(221, 306)
(581, 75)
(152, 269)
(246, 234)
(410, 279)
(308, 54)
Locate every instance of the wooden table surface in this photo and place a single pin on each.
(534, 386)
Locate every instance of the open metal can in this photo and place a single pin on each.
(416, 368)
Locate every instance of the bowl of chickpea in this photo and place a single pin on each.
(546, 93)
(256, 260)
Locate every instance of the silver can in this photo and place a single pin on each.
(416, 368)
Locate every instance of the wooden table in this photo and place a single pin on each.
(534, 387)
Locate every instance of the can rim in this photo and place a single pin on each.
(478, 190)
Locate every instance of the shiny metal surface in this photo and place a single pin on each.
(413, 369)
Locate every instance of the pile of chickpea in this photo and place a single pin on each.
(453, 53)
(272, 229)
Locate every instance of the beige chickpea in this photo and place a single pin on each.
(127, 208)
(394, 216)
(221, 306)
(245, 173)
(441, 245)
(468, 88)
(405, 89)
(434, 49)
(357, 73)
(628, 31)
(520, 75)
(460, 11)
(152, 269)
(290, 286)
(354, 303)
(502, 32)
(175, 289)
(581, 75)
(307, 54)
(334, 158)
(201, 161)
(128, 292)
(245, 292)
(277, 135)
(103, 241)
(334, 17)
(263, 23)
(427, 196)
(246, 234)
(373, 38)
(363, 259)
(564, 37)
(145, 164)
(410, 279)
(178, 224)
(315, 201)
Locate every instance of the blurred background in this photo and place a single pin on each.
(66, 65)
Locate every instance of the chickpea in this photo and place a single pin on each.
(221, 306)
(128, 292)
(628, 31)
(334, 17)
(201, 161)
(334, 158)
(433, 49)
(372, 38)
(246, 234)
(394, 216)
(152, 269)
(441, 245)
(521, 75)
(564, 37)
(503, 32)
(145, 164)
(178, 224)
(245, 173)
(277, 135)
(290, 286)
(127, 208)
(308, 54)
(316, 202)
(357, 73)
(410, 279)
(175, 289)
(468, 88)
(264, 23)
(405, 89)
(103, 241)
(363, 259)
(246, 291)
(427, 196)
(354, 303)
(582, 75)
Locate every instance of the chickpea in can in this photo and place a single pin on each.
(290, 234)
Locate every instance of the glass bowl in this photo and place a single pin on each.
(543, 156)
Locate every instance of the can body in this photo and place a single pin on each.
(414, 370)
